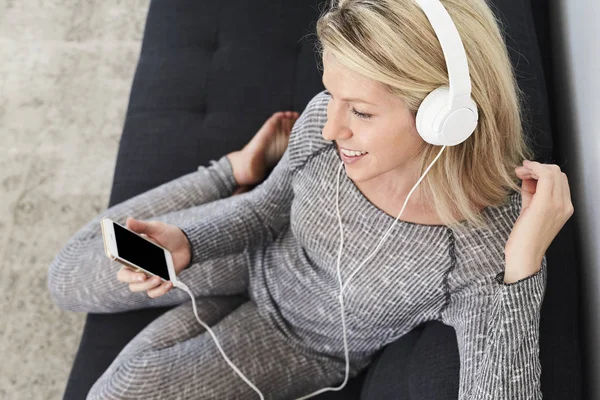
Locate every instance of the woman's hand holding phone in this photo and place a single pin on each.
(167, 236)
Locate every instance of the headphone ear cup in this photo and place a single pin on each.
(458, 127)
(430, 107)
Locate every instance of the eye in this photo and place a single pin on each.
(354, 111)
(360, 115)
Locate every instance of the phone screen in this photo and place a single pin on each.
(141, 252)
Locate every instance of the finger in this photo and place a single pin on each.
(528, 183)
(523, 173)
(127, 275)
(160, 290)
(150, 239)
(150, 228)
(149, 284)
(528, 189)
(555, 174)
(544, 177)
(133, 224)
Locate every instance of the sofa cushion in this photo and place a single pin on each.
(209, 75)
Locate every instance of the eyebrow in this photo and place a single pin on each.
(356, 100)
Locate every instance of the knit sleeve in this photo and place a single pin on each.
(244, 221)
(206, 184)
(77, 276)
(497, 329)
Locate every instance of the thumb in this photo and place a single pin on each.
(528, 188)
(131, 223)
(136, 225)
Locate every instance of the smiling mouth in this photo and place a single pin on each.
(349, 153)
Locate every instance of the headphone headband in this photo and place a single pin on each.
(448, 115)
(454, 51)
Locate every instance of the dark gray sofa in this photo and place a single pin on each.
(209, 75)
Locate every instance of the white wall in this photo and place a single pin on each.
(576, 52)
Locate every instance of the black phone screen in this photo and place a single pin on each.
(141, 252)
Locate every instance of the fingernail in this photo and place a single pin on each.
(526, 162)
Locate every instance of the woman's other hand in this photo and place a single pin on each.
(546, 207)
(167, 236)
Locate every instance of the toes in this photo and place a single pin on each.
(286, 114)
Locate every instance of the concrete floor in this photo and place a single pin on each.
(65, 75)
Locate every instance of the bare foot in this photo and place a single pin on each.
(264, 150)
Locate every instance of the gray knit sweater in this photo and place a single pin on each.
(421, 272)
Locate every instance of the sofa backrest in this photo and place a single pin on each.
(210, 73)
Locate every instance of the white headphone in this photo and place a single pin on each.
(448, 115)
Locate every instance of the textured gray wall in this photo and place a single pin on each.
(576, 38)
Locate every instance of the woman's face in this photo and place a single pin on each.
(374, 122)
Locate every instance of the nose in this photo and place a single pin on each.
(335, 128)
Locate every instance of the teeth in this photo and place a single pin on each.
(352, 153)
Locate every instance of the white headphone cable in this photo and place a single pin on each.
(182, 286)
(396, 220)
(342, 287)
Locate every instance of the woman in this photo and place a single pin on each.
(469, 250)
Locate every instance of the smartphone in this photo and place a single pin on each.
(135, 251)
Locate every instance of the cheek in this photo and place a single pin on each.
(388, 156)
(394, 150)
(386, 146)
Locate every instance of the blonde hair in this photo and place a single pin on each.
(393, 42)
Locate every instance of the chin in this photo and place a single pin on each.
(357, 174)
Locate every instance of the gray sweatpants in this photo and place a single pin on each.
(174, 357)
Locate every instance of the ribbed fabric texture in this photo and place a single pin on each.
(280, 242)
(422, 272)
